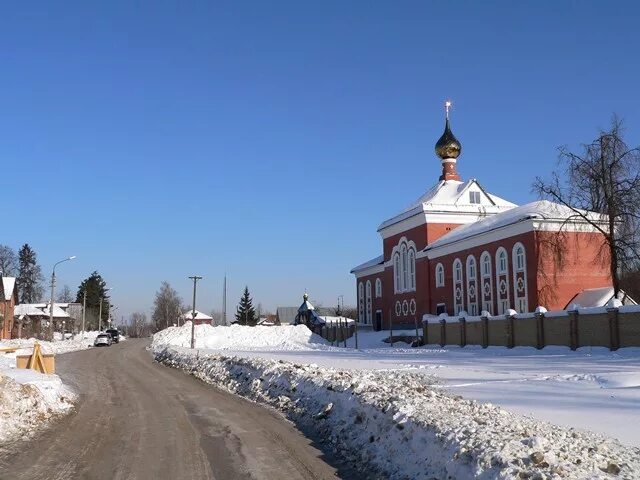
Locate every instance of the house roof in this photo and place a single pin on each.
(371, 263)
(450, 196)
(541, 210)
(57, 311)
(9, 284)
(28, 309)
(199, 315)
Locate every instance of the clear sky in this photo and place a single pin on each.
(156, 140)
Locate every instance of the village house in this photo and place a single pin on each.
(461, 249)
(9, 300)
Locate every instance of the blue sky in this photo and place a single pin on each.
(155, 140)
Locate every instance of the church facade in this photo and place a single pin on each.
(459, 249)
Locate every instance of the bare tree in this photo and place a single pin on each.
(8, 261)
(167, 306)
(138, 325)
(604, 178)
(65, 295)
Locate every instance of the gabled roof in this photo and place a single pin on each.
(199, 315)
(9, 284)
(542, 210)
(57, 311)
(371, 263)
(450, 196)
(28, 309)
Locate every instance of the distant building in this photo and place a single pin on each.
(459, 248)
(200, 318)
(7, 304)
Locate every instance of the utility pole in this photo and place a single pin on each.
(84, 311)
(195, 279)
(224, 301)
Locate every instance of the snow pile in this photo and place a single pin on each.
(238, 337)
(28, 401)
(78, 342)
(399, 425)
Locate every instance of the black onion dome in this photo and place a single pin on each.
(448, 145)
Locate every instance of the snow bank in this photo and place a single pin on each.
(78, 342)
(28, 401)
(238, 337)
(399, 425)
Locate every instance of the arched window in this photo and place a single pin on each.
(368, 303)
(501, 261)
(520, 288)
(396, 270)
(405, 270)
(472, 286)
(412, 270)
(378, 288)
(458, 287)
(404, 266)
(439, 275)
(361, 302)
(457, 270)
(486, 291)
(502, 284)
(518, 257)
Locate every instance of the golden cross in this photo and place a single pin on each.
(447, 106)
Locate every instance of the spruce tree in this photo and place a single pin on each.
(245, 313)
(96, 288)
(29, 281)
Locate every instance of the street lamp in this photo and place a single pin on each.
(53, 286)
(100, 311)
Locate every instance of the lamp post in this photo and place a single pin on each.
(100, 311)
(195, 279)
(53, 288)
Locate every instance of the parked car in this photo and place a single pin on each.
(103, 340)
(115, 334)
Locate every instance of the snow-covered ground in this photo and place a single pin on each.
(592, 389)
(28, 399)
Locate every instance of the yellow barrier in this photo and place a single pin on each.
(43, 363)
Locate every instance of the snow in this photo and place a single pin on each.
(401, 425)
(451, 196)
(571, 389)
(371, 263)
(9, 286)
(287, 337)
(199, 315)
(540, 210)
(330, 320)
(30, 400)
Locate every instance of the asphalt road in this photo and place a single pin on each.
(140, 420)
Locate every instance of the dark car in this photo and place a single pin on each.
(115, 334)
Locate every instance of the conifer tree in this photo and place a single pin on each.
(245, 313)
(29, 281)
(96, 288)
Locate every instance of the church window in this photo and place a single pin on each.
(412, 270)
(405, 270)
(520, 278)
(396, 271)
(457, 270)
(472, 300)
(378, 288)
(474, 197)
(439, 275)
(501, 261)
(518, 253)
(487, 288)
(368, 303)
(361, 302)
(458, 288)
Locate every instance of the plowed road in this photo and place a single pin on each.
(140, 420)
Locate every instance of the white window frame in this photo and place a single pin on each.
(361, 302)
(368, 302)
(403, 258)
(474, 198)
(472, 274)
(500, 301)
(458, 282)
(378, 288)
(439, 275)
(500, 269)
(485, 261)
(521, 302)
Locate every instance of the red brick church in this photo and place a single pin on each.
(459, 248)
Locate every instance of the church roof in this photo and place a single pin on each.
(542, 210)
(451, 196)
(371, 263)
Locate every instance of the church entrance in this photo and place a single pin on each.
(377, 326)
